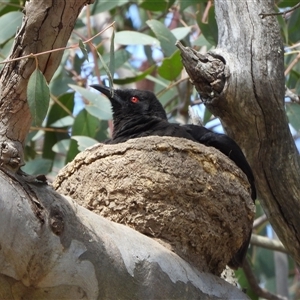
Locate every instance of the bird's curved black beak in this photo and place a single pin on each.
(108, 92)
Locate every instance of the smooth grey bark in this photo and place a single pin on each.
(51, 248)
(46, 25)
(242, 82)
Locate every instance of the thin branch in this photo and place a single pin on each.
(49, 129)
(294, 97)
(259, 221)
(283, 13)
(55, 99)
(57, 49)
(261, 292)
(291, 65)
(264, 242)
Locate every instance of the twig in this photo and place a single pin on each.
(267, 243)
(49, 129)
(263, 15)
(261, 292)
(57, 49)
(292, 64)
(55, 99)
(259, 221)
(294, 97)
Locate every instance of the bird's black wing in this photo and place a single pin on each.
(149, 126)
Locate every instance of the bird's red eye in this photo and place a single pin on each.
(134, 99)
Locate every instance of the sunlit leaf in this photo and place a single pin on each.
(61, 147)
(136, 78)
(181, 32)
(98, 100)
(38, 97)
(66, 121)
(164, 35)
(127, 37)
(84, 142)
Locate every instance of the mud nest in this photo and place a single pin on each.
(188, 196)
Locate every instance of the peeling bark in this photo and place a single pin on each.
(251, 106)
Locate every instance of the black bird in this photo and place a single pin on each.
(138, 113)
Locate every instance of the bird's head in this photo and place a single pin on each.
(131, 103)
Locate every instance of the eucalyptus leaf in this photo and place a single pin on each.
(136, 78)
(66, 121)
(181, 32)
(38, 166)
(171, 67)
(62, 147)
(38, 97)
(9, 24)
(127, 37)
(164, 35)
(84, 142)
(98, 101)
(107, 70)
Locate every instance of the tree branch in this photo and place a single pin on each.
(251, 107)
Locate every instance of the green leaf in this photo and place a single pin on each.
(62, 147)
(102, 6)
(112, 54)
(127, 37)
(202, 41)
(85, 125)
(66, 121)
(9, 24)
(38, 97)
(98, 100)
(38, 166)
(293, 113)
(120, 57)
(171, 66)
(56, 112)
(84, 142)
(106, 68)
(140, 76)
(207, 116)
(95, 111)
(164, 35)
(186, 3)
(154, 5)
(209, 30)
(82, 47)
(181, 32)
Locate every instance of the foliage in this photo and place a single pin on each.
(139, 51)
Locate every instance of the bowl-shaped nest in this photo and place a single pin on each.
(191, 197)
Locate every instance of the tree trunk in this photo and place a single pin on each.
(242, 82)
(46, 25)
(52, 248)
